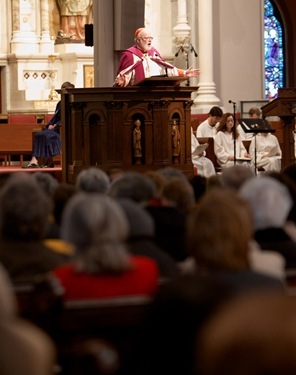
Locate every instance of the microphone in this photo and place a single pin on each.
(230, 101)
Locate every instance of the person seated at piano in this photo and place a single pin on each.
(143, 61)
(266, 151)
(224, 144)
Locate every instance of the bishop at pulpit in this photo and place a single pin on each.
(284, 107)
(130, 128)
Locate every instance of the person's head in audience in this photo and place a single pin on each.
(254, 334)
(133, 185)
(141, 238)
(172, 172)
(24, 348)
(96, 225)
(179, 310)
(234, 176)
(199, 184)
(158, 179)
(214, 182)
(93, 180)
(290, 171)
(24, 208)
(254, 112)
(291, 185)
(180, 193)
(219, 230)
(169, 229)
(47, 182)
(61, 196)
(269, 199)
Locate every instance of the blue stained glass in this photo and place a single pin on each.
(273, 52)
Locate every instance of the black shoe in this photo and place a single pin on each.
(31, 165)
(48, 165)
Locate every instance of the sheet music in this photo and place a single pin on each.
(200, 149)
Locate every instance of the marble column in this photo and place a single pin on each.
(182, 27)
(206, 96)
(46, 43)
(181, 38)
(104, 70)
(24, 27)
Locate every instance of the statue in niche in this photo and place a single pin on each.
(74, 14)
(176, 139)
(137, 141)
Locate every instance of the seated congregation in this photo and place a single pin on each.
(126, 272)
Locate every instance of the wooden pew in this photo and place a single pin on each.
(16, 139)
(22, 118)
(116, 321)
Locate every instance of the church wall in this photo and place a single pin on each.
(238, 50)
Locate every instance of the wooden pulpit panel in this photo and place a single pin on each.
(99, 128)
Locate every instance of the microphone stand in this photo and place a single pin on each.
(234, 130)
(184, 48)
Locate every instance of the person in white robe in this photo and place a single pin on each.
(204, 165)
(224, 145)
(208, 128)
(266, 152)
(254, 112)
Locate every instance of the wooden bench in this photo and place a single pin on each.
(22, 118)
(117, 320)
(16, 139)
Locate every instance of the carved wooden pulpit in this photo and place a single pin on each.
(131, 129)
(284, 106)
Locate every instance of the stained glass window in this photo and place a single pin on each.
(273, 50)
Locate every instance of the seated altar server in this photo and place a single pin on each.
(224, 144)
(266, 149)
(204, 166)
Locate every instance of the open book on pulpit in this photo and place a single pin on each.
(255, 125)
(161, 80)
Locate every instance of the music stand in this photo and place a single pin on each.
(255, 126)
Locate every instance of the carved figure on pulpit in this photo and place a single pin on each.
(176, 139)
(137, 139)
(74, 14)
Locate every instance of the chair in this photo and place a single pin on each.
(40, 301)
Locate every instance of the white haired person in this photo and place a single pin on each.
(102, 267)
(143, 61)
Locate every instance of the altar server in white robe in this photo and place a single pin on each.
(204, 165)
(266, 149)
(224, 144)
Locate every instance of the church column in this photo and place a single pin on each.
(182, 27)
(46, 43)
(24, 27)
(103, 43)
(181, 31)
(206, 95)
